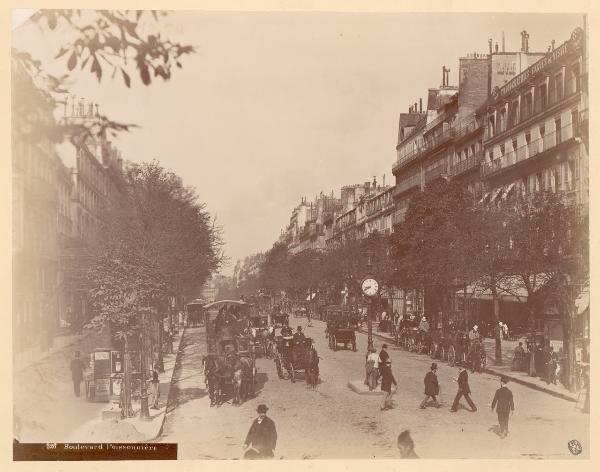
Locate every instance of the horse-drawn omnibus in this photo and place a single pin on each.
(195, 312)
(229, 366)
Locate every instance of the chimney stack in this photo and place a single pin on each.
(496, 48)
(503, 43)
(421, 105)
(415, 107)
(552, 42)
(524, 41)
(490, 45)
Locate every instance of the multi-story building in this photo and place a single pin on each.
(534, 123)
(446, 141)
(96, 173)
(38, 193)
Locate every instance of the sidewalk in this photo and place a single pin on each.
(108, 427)
(505, 369)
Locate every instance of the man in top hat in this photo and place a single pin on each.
(463, 390)
(505, 406)
(384, 357)
(262, 437)
(432, 387)
(299, 336)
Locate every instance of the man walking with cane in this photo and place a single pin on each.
(505, 406)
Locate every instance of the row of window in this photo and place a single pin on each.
(545, 94)
(558, 131)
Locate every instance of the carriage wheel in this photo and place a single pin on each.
(451, 356)
(278, 366)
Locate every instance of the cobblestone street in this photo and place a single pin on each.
(333, 422)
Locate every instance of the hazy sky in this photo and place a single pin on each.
(276, 106)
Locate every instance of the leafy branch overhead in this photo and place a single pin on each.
(113, 40)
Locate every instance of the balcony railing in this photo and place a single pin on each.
(465, 165)
(527, 151)
(405, 184)
(464, 128)
(432, 142)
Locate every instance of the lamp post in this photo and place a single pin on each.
(371, 299)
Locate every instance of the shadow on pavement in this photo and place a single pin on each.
(184, 395)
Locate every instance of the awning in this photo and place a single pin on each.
(582, 302)
(495, 194)
(507, 190)
(510, 288)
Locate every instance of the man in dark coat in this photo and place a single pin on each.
(384, 357)
(432, 387)
(505, 406)
(77, 368)
(299, 336)
(387, 380)
(262, 437)
(463, 390)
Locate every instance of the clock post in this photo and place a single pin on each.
(370, 289)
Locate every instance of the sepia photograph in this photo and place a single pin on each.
(299, 235)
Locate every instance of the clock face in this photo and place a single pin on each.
(370, 287)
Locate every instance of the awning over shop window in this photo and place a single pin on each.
(507, 190)
(583, 300)
(510, 288)
(495, 194)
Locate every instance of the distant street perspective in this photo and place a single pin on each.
(300, 235)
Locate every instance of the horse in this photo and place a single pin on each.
(311, 361)
(217, 374)
(242, 380)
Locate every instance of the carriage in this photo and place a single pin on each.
(341, 326)
(229, 366)
(195, 312)
(259, 326)
(293, 357)
(280, 319)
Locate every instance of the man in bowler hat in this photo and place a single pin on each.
(463, 390)
(432, 387)
(262, 437)
(505, 406)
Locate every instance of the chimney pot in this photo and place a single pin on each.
(421, 105)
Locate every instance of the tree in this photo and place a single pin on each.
(429, 247)
(125, 286)
(177, 234)
(550, 257)
(102, 40)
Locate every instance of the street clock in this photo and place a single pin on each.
(369, 287)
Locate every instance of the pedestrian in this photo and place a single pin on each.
(262, 437)
(384, 357)
(387, 380)
(463, 390)
(503, 401)
(432, 387)
(154, 390)
(406, 446)
(519, 356)
(372, 369)
(77, 368)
